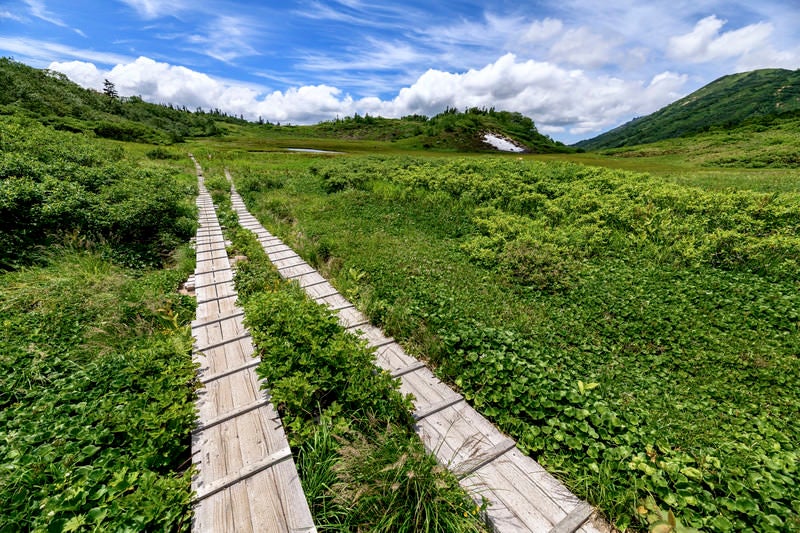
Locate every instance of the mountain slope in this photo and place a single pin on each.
(723, 103)
(50, 98)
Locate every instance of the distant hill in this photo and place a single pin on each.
(724, 103)
(50, 98)
(451, 130)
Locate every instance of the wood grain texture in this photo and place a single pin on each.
(246, 479)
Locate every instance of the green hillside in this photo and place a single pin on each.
(449, 130)
(724, 103)
(50, 98)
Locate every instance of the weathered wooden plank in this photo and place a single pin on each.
(223, 342)
(308, 279)
(207, 378)
(406, 369)
(320, 290)
(574, 520)
(240, 438)
(280, 255)
(199, 325)
(298, 271)
(392, 357)
(427, 410)
(248, 470)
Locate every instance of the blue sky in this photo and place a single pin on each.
(577, 67)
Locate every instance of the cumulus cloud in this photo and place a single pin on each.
(557, 99)
(705, 42)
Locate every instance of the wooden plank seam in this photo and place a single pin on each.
(223, 342)
(574, 519)
(250, 364)
(216, 299)
(233, 413)
(246, 472)
(407, 369)
(428, 410)
(198, 325)
(469, 467)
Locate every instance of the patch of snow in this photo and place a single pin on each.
(503, 144)
(311, 151)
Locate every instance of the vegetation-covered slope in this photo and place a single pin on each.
(770, 141)
(449, 130)
(52, 99)
(724, 103)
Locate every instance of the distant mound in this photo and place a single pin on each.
(724, 103)
(450, 130)
(50, 98)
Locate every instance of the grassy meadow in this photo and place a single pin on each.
(633, 323)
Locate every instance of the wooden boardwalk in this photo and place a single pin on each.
(246, 479)
(522, 496)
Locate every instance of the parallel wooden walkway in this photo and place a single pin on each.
(246, 480)
(522, 495)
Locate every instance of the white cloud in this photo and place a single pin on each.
(9, 15)
(39, 10)
(705, 42)
(557, 99)
(542, 30)
(583, 48)
(150, 9)
(225, 38)
(41, 52)
(81, 72)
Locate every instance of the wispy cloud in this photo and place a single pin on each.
(39, 10)
(44, 51)
(225, 38)
(11, 16)
(151, 9)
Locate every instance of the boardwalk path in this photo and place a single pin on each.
(246, 480)
(522, 495)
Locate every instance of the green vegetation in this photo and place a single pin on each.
(450, 130)
(637, 333)
(771, 141)
(96, 388)
(56, 184)
(49, 97)
(360, 462)
(722, 104)
(637, 337)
